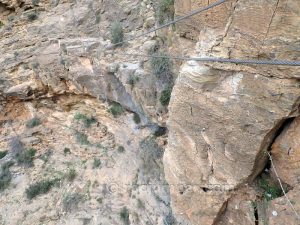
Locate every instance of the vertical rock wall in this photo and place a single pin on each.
(223, 117)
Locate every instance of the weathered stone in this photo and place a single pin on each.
(20, 90)
(280, 211)
(286, 154)
(223, 117)
(31, 140)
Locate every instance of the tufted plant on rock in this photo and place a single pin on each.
(116, 33)
(165, 10)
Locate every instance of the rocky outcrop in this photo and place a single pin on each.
(63, 48)
(99, 165)
(223, 117)
(285, 155)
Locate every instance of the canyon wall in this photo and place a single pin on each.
(56, 61)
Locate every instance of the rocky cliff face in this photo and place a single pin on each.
(224, 117)
(59, 79)
(64, 158)
(58, 47)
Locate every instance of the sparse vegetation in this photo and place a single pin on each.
(82, 138)
(132, 79)
(136, 118)
(121, 149)
(165, 10)
(35, 2)
(16, 54)
(3, 154)
(67, 151)
(63, 48)
(271, 190)
(32, 16)
(5, 175)
(33, 122)
(87, 121)
(151, 149)
(25, 66)
(170, 219)
(161, 66)
(71, 201)
(26, 157)
(124, 215)
(115, 109)
(165, 96)
(160, 131)
(140, 204)
(96, 163)
(15, 145)
(35, 65)
(99, 200)
(1, 24)
(151, 154)
(116, 32)
(11, 18)
(98, 18)
(46, 156)
(71, 174)
(40, 187)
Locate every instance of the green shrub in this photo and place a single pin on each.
(1, 24)
(46, 156)
(271, 190)
(26, 157)
(35, 65)
(140, 204)
(88, 121)
(82, 138)
(71, 201)
(32, 16)
(99, 200)
(33, 122)
(165, 10)
(98, 18)
(71, 174)
(124, 214)
(161, 66)
(136, 118)
(160, 131)
(115, 109)
(121, 149)
(96, 163)
(116, 33)
(67, 151)
(3, 154)
(132, 80)
(5, 175)
(165, 97)
(39, 188)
